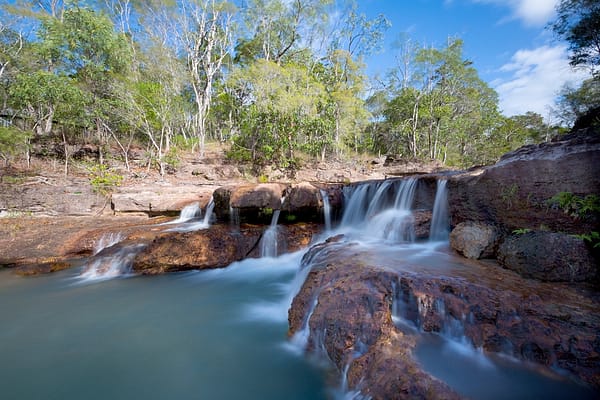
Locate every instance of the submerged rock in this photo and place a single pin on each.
(548, 256)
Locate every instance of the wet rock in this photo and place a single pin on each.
(514, 193)
(45, 268)
(351, 322)
(349, 294)
(548, 256)
(41, 242)
(302, 198)
(474, 239)
(215, 247)
(422, 222)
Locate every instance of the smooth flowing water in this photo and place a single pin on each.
(205, 335)
(221, 334)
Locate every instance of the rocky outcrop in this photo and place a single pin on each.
(254, 203)
(475, 239)
(349, 305)
(515, 192)
(548, 256)
(215, 247)
(348, 298)
(49, 244)
(159, 199)
(47, 196)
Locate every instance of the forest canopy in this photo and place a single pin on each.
(276, 81)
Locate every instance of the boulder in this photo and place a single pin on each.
(215, 247)
(514, 193)
(261, 196)
(548, 256)
(474, 239)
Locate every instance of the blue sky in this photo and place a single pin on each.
(506, 39)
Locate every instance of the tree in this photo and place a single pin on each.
(279, 30)
(205, 35)
(578, 23)
(574, 103)
(280, 106)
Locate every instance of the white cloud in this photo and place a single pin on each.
(531, 12)
(534, 79)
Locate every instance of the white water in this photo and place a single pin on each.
(113, 265)
(269, 241)
(189, 224)
(108, 240)
(188, 213)
(371, 214)
(439, 230)
(326, 210)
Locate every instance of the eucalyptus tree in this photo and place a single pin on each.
(440, 108)
(204, 31)
(574, 103)
(279, 30)
(354, 36)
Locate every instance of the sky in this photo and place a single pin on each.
(507, 40)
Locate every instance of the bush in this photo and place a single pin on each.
(103, 180)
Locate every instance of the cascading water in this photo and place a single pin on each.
(440, 228)
(190, 224)
(107, 240)
(370, 212)
(111, 263)
(269, 240)
(326, 210)
(188, 213)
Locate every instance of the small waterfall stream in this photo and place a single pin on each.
(326, 210)
(439, 230)
(268, 242)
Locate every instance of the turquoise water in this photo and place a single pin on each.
(203, 335)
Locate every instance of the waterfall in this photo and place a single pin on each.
(190, 225)
(209, 210)
(107, 240)
(440, 229)
(234, 217)
(369, 209)
(187, 213)
(326, 210)
(112, 264)
(268, 242)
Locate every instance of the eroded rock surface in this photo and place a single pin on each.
(350, 292)
(514, 193)
(548, 256)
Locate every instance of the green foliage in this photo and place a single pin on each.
(103, 180)
(575, 206)
(509, 194)
(593, 238)
(578, 22)
(521, 231)
(12, 140)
